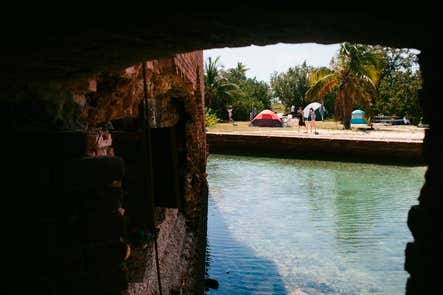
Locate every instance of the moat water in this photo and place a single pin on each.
(286, 226)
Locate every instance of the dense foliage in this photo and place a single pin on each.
(210, 118)
(232, 87)
(399, 85)
(290, 87)
(352, 78)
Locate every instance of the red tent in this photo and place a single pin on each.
(267, 118)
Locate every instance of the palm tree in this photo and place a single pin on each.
(239, 72)
(219, 91)
(212, 77)
(353, 78)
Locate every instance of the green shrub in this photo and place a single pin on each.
(210, 117)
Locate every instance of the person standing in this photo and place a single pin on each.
(229, 110)
(301, 119)
(293, 111)
(311, 119)
(253, 113)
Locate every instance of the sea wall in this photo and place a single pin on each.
(320, 148)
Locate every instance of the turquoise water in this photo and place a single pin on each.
(280, 226)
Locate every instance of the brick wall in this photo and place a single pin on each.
(66, 206)
(186, 64)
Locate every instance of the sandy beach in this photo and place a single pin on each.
(329, 130)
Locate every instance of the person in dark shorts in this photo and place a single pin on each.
(301, 119)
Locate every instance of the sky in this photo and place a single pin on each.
(262, 61)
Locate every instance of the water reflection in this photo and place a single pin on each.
(356, 212)
(308, 227)
(238, 268)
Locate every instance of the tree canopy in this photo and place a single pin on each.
(353, 78)
(232, 87)
(292, 85)
(399, 84)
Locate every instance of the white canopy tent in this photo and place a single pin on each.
(318, 109)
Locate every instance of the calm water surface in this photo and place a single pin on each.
(279, 226)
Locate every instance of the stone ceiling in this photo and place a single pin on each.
(68, 48)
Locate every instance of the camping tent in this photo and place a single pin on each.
(267, 118)
(358, 117)
(319, 110)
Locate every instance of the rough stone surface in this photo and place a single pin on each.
(72, 48)
(423, 256)
(91, 199)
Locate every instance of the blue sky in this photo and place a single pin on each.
(262, 61)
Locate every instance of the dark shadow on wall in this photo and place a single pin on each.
(235, 266)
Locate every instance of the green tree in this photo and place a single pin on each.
(328, 99)
(260, 91)
(353, 77)
(399, 84)
(291, 86)
(219, 91)
(232, 87)
(211, 77)
(250, 92)
(238, 73)
(254, 94)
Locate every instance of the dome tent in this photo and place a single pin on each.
(319, 110)
(358, 117)
(267, 118)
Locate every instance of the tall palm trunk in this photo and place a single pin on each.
(346, 121)
(343, 115)
(346, 100)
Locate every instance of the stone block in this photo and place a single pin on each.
(103, 201)
(100, 228)
(103, 256)
(51, 145)
(90, 172)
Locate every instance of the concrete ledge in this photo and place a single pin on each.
(356, 150)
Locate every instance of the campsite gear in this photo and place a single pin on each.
(267, 118)
(319, 110)
(358, 117)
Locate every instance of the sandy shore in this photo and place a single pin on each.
(329, 130)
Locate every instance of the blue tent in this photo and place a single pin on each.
(358, 117)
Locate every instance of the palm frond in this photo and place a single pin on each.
(323, 86)
(317, 74)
